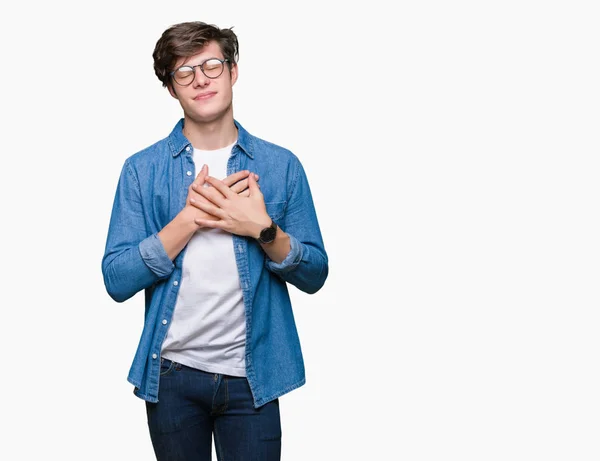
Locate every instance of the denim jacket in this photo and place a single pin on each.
(151, 191)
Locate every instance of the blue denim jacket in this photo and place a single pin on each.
(151, 191)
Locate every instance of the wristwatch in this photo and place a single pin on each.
(267, 235)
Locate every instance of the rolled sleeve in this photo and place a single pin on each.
(154, 255)
(291, 261)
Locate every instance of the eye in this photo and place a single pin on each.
(212, 64)
(184, 72)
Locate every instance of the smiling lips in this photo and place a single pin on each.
(203, 96)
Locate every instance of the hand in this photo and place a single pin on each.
(236, 213)
(237, 182)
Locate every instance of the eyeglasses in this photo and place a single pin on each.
(212, 68)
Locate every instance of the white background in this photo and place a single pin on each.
(452, 149)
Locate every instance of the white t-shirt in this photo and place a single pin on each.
(208, 328)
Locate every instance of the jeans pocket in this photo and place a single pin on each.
(166, 366)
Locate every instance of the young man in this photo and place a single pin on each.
(214, 252)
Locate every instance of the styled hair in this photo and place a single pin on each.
(186, 39)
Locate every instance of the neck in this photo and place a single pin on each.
(210, 135)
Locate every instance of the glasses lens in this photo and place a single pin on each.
(212, 68)
(184, 75)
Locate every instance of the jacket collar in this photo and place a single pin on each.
(178, 142)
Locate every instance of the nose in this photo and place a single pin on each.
(199, 78)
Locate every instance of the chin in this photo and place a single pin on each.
(208, 116)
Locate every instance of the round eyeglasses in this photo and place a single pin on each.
(212, 68)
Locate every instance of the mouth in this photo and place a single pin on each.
(204, 96)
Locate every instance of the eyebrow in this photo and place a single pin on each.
(202, 62)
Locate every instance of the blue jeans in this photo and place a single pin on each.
(194, 404)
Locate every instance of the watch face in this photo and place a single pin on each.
(268, 235)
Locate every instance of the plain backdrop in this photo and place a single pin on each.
(453, 153)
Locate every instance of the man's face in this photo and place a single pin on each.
(205, 99)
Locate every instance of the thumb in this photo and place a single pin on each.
(202, 175)
(253, 187)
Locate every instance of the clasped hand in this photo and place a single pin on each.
(234, 204)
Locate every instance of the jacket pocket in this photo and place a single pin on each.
(276, 210)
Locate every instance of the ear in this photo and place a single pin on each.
(234, 74)
(172, 91)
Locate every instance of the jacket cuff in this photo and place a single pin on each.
(292, 259)
(154, 255)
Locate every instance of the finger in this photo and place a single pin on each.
(235, 177)
(208, 208)
(201, 175)
(203, 171)
(253, 185)
(245, 193)
(240, 186)
(211, 224)
(220, 186)
(192, 194)
(212, 194)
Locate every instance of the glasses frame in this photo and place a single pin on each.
(201, 66)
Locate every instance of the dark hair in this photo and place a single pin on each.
(186, 39)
